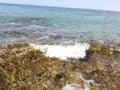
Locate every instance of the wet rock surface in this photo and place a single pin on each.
(23, 68)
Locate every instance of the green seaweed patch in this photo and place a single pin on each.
(102, 49)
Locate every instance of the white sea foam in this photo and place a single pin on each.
(87, 83)
(63, 52)
(74, 86)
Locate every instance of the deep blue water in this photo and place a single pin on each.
(27, 23)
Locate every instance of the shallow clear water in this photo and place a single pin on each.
(22, 23)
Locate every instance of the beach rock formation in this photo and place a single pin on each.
(23, 68)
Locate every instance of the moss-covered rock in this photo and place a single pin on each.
(102, 49)
(22, 68)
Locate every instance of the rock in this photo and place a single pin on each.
(1, 60)
(25, 68)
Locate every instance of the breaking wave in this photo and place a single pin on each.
(63, 52)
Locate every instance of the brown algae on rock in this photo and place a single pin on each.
(23, 68)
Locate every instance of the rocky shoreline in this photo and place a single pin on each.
(23, 68)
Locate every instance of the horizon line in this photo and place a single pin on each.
(59, 7)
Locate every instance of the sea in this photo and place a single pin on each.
(63, 33)
(54, 25)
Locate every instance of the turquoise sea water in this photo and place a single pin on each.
(23, 23)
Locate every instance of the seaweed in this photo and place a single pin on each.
(22, 67)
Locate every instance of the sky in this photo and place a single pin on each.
(87, 4)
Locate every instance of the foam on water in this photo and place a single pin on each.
(74, 86)
(63, 52)
(87, 83)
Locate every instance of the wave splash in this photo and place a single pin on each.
(63, 52)
(74, 86)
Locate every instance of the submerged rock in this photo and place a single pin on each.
(23, 68)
